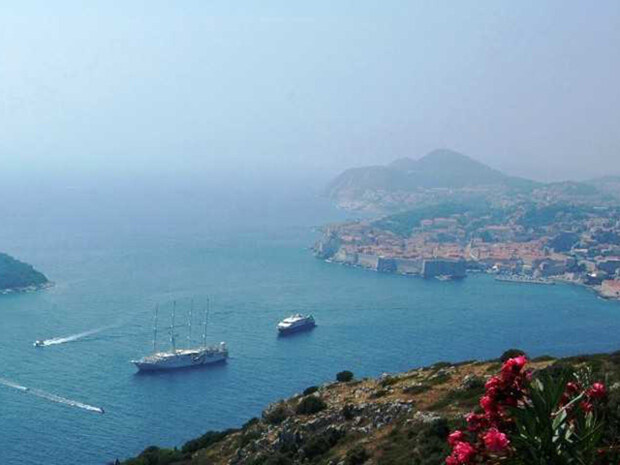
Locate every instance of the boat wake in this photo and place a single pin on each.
(74, 337)
(51, 397)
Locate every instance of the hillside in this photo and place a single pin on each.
(396, 419)
(607, 184)
(396, 182)
(17, 276)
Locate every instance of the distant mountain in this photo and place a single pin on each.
(16, 275)
(438, 169)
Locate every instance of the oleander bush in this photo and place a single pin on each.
(511, 353)
(555, 418)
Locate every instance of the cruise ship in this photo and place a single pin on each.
(182, 358)
(295, 323)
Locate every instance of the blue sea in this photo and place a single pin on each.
(114, 253)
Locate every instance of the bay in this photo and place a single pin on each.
(115, 253)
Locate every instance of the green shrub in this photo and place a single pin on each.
(388, 381)
(277, 414)
(251, 422)
(459, 398)
(417, 444)
(511, 353)
(206, 440)
(278, 459)
(310, 390)
(416, 389)
(322, 443)
(344, 376)
(155, 456)
(310, 405)
(347, 412)
(356, 456)
(439, 378)
(316, 445)
(271, 459)
(378, 394)
(248, 436)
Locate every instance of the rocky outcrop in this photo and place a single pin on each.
(394, 419)
(328, 245)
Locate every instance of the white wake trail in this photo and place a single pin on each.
(74, 337)
(51, 397)
(65, 401)
(13, 385)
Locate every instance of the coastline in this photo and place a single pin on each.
(27, 289)
(596, 289)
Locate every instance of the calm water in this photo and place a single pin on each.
(114, 258)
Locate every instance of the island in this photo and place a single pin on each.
(447, 214)
(17, 276)
(398, 418)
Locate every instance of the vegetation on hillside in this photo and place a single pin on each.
(400, 418)
(16, 275)
(402, 224)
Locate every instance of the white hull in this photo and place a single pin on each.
(181, 359)
(296, 328)
(296, 323)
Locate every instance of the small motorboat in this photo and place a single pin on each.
(39, 343)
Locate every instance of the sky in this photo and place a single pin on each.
(218, 89)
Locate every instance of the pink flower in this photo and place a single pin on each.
(586, 406)
(572, 387)
(513, 366)
(451, 460)
(597, 391)
(456, 436)
(487, 404)
(495, 441)
(464, 452)
(494, 383)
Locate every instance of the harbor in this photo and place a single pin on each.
(523, 279)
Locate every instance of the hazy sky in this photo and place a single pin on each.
(214, 87)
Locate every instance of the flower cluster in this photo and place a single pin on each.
(575, 394)
(487, 438)
(487, 431)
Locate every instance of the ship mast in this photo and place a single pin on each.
(172, 339)
(155, 329)
(204, 331)
(189, 325)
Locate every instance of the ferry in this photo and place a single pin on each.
(295, 323)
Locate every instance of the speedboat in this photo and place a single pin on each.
(39, 343)
(295, 323)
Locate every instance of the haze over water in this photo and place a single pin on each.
(113, 255)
